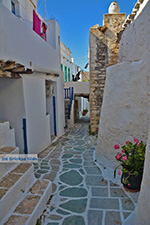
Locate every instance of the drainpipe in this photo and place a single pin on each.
(25, 136)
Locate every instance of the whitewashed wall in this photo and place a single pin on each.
(125, 110)
(38, 128)
(23, 8)
(23, 45)
(50, 111)
(79, 87)
(67, 60)
(60, 105)
(12, 107)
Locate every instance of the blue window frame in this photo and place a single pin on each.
(13, 7)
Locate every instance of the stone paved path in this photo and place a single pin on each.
(81, 196)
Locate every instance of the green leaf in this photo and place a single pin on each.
(136, 173)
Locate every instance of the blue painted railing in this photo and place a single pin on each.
(70, 102)
(67, 93)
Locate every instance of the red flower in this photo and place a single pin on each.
(136, 140)
(124, 158)
(116, 147)
(119, 156)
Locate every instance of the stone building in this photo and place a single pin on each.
(85, 76)
(103, 52)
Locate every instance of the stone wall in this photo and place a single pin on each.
(98, 50)
(85, 76)
(103, 52)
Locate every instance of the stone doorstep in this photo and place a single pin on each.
(29, 209)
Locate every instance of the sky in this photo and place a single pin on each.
(75, 18)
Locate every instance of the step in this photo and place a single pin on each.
(7, 134)
(7, 167)
(13, 188)
(31, 207)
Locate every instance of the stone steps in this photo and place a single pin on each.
(33, 204)
(22, 197)
(7, 167)
(13, 187)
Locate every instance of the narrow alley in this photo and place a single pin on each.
(80, 195)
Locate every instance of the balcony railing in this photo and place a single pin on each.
(67, 93)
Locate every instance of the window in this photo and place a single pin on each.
(65, 73)
(68, 74)
(13, 7)
(61, 67)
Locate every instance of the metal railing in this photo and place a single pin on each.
(70, 102)
(67, 93)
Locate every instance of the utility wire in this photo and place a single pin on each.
(81, 57)
(41, 4)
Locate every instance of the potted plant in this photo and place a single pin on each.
(85, 111)
(131, 159)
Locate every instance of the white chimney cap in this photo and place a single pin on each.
(114, 8)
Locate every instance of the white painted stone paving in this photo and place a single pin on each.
(81, 196)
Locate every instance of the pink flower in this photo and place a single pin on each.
(138, 143)
(136, 140)
(119, 156)
(123, 150)
(116, 146)
(128, 184)
(128, 142)
(119, 173)
(124, 158)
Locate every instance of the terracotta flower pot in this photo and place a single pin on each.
(134, 182)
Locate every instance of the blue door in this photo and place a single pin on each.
(54, 109)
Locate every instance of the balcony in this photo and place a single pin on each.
(21, 44)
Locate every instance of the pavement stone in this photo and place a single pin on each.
(74, 192)
(72, 178)
(93, 180)
(112, 218)
(127, 204)
(117, 192)
(95, 217)
(74, 220)
(77, 206)
(104, 203)
(99, 192)
(80, 195)
(126, 214)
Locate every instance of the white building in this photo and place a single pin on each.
(81, 89)
(68, 66)
(33, 99)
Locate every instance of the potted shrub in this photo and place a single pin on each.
(131, 159)
(85, 111)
